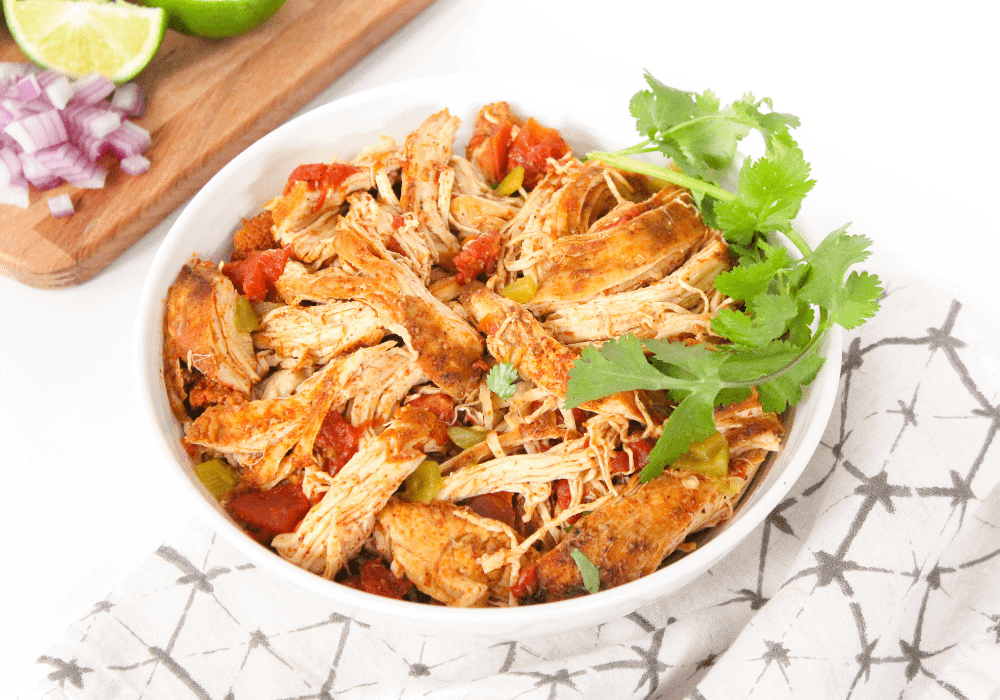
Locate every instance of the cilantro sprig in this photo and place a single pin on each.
(501, 378)
(788, 304)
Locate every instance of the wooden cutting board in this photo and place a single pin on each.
(207, 101)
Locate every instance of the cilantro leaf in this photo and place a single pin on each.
(590, 574)
(618, 365)
(692, 421)
(501, 378)
(769, 194)
(849, 302)
(769, 318)
(749, 280)
(786, 367)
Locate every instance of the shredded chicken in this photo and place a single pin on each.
(367, 374)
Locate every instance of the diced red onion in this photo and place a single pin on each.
(91, 89)
(10, 166)
(129, 99)
(93, 182)
(37, 131)
(14, 70)
(56, 87)
(61, 206)
(53, 130)
(36, 173)
(128, 140)
(87, 119)
(134, 165)
(67, 162)
(28, 88)
(15, 193)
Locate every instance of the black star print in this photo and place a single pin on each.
(830, 568)
(192, 574)
(648, 660)
(553, 680)
(908, 413)
(876, 489)
(995, 619)
(960, 492)
(745, 595)
(778, 653)
(259, 639)
(65, 671)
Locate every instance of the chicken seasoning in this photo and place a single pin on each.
(338, 368)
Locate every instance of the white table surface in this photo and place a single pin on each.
(899, 110)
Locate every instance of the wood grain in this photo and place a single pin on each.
(207, 101)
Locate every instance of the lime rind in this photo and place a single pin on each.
(116, 39)
(216, 19)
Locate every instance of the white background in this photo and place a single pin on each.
(899, 111)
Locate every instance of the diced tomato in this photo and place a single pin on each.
(493, 156)
(320, 176)
(441, 405)
(526, 584)
(257, 272)
(377, 579)
(479, 255)
(398, 221)
(580, 416)
(738, 467)
(640, 453)
(532, 146)
(264, 514)
(498, 505)
(563, 495)
(338, 441)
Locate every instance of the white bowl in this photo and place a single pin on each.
(341, 129)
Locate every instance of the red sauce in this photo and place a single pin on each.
(337, 440)
(320, 176)
(256, 273)
(532, 146)
(264, 514)
(479, 255)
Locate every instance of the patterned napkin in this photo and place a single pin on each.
(877, 577)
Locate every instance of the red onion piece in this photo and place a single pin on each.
(36, 173)
(87, 119)
(61, 206)
(91, 89)
(56, 87)
(28, 88)
(37, 131)
(129, 99)
(10, 166)
(134, 165)
(15, 193)
(129, 140)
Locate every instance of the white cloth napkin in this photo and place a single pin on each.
(877, 577)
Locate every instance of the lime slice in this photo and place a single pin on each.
(216, 19)
(115, 39)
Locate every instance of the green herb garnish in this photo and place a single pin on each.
(501, 378)
(774, 339)
(591, 576)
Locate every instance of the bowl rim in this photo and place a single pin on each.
(150, 382)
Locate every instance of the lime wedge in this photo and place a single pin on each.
(216, 19)
(115, 39)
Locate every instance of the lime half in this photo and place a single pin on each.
(115, 39)
(216, 19)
